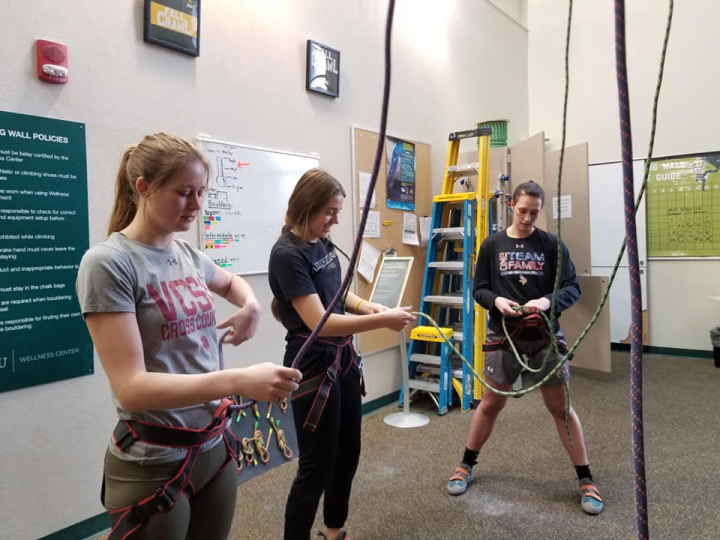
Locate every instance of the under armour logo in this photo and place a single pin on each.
(172, 261)
(519, 246)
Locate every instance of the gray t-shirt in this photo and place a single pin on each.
(167, 289)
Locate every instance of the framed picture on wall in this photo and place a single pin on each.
(323, 69)
(174, 24)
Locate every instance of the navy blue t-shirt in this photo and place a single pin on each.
(523, 269)
(300, 268)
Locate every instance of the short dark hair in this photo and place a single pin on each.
(531, 189)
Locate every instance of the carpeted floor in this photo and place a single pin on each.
(526, 487)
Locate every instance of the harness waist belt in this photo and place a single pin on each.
(322, 384)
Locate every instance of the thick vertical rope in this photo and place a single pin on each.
(373, 180)
(638, 445)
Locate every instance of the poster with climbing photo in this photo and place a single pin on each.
(400, 174)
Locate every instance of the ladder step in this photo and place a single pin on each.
(448, 266)
(457, 336)
(427, 386)
(464, 167)
(432, 370)
(425, 359)
(449, 233)
(450, 299)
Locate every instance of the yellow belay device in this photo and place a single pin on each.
(459, 224)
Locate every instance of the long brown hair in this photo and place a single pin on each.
(312, 192)
(156, 158)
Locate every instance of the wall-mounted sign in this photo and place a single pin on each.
(43, 236)
(323, 69)
(174, 24)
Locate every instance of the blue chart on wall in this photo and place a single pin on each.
(245, 429)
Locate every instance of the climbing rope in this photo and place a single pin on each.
(562, 359)
(636, 403)
(373, 180)
(281, 440)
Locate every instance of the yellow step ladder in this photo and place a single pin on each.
(459, 224)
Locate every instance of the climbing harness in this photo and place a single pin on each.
(322, 384)
(129, 519)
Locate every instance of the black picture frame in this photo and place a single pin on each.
(165, 21)
(322, 78)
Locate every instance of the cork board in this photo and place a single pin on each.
(365, 143)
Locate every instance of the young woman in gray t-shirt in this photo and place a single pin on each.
(145, 296)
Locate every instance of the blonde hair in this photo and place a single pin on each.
(156, 158)
(312, 192)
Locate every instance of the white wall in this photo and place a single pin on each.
(247, 86)
(517, 9)
(680, 312)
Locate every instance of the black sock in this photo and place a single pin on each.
(470, 457)
(583, 471)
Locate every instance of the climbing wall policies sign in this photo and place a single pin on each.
(43, 235)
(683, 206)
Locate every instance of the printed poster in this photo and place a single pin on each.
(400, 174)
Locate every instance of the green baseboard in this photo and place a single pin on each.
(668, 351)
(99, 524)
(88, 528)
(380, 402)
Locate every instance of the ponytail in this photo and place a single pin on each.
(156, 158)
(125, 197)
(275, 309)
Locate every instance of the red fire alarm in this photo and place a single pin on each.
(52, 61)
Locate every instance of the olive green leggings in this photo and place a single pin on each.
(206, 515)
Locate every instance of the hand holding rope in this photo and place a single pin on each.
(517, 393)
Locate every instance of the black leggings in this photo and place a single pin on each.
(328, 457)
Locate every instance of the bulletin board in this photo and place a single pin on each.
(364, 147)
(683, 206)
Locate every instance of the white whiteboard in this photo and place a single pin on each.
(247, 196)
(607, 221)
(607, 231)
(620, 312)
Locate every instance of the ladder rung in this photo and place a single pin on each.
(425, 359)
(464, 167)
(450, 233)
(449, 266)
(457, 336)
(432, 370)
(451, 299)
(424, 385)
